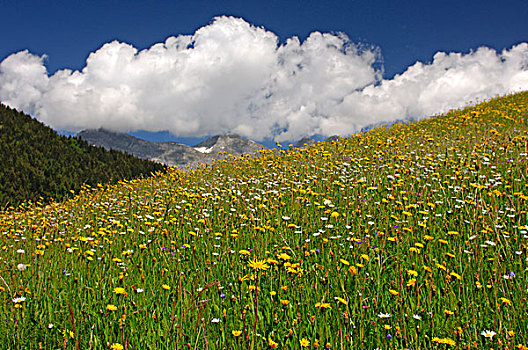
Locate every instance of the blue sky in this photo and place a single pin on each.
(397, 33)
(406, 31)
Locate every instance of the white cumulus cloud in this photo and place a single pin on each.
(233, 76)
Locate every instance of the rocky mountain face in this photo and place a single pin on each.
(172, 153)
(307, 141)
(177, 154)
(304, 142)
(228, 144)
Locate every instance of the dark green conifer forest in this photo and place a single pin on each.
(37, 164)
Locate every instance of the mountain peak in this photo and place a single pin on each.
(304, 142)
(171, 153)
(229, 143)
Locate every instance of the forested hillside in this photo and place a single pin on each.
(38, 164)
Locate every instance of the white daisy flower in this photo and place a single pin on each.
(488, 334)
(19, 300)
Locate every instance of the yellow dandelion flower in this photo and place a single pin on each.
(323, 305)
(341, 300)
(444, 341)
(258, 265)
(441, 267)
(456, 275)
(284, 256)
(506, 301)
(119, 290)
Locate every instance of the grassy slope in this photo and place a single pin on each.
(423, 222)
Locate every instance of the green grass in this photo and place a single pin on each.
(424, 221)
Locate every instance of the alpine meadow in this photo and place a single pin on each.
(412, 235)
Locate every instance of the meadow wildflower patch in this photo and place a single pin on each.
(408, 236)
